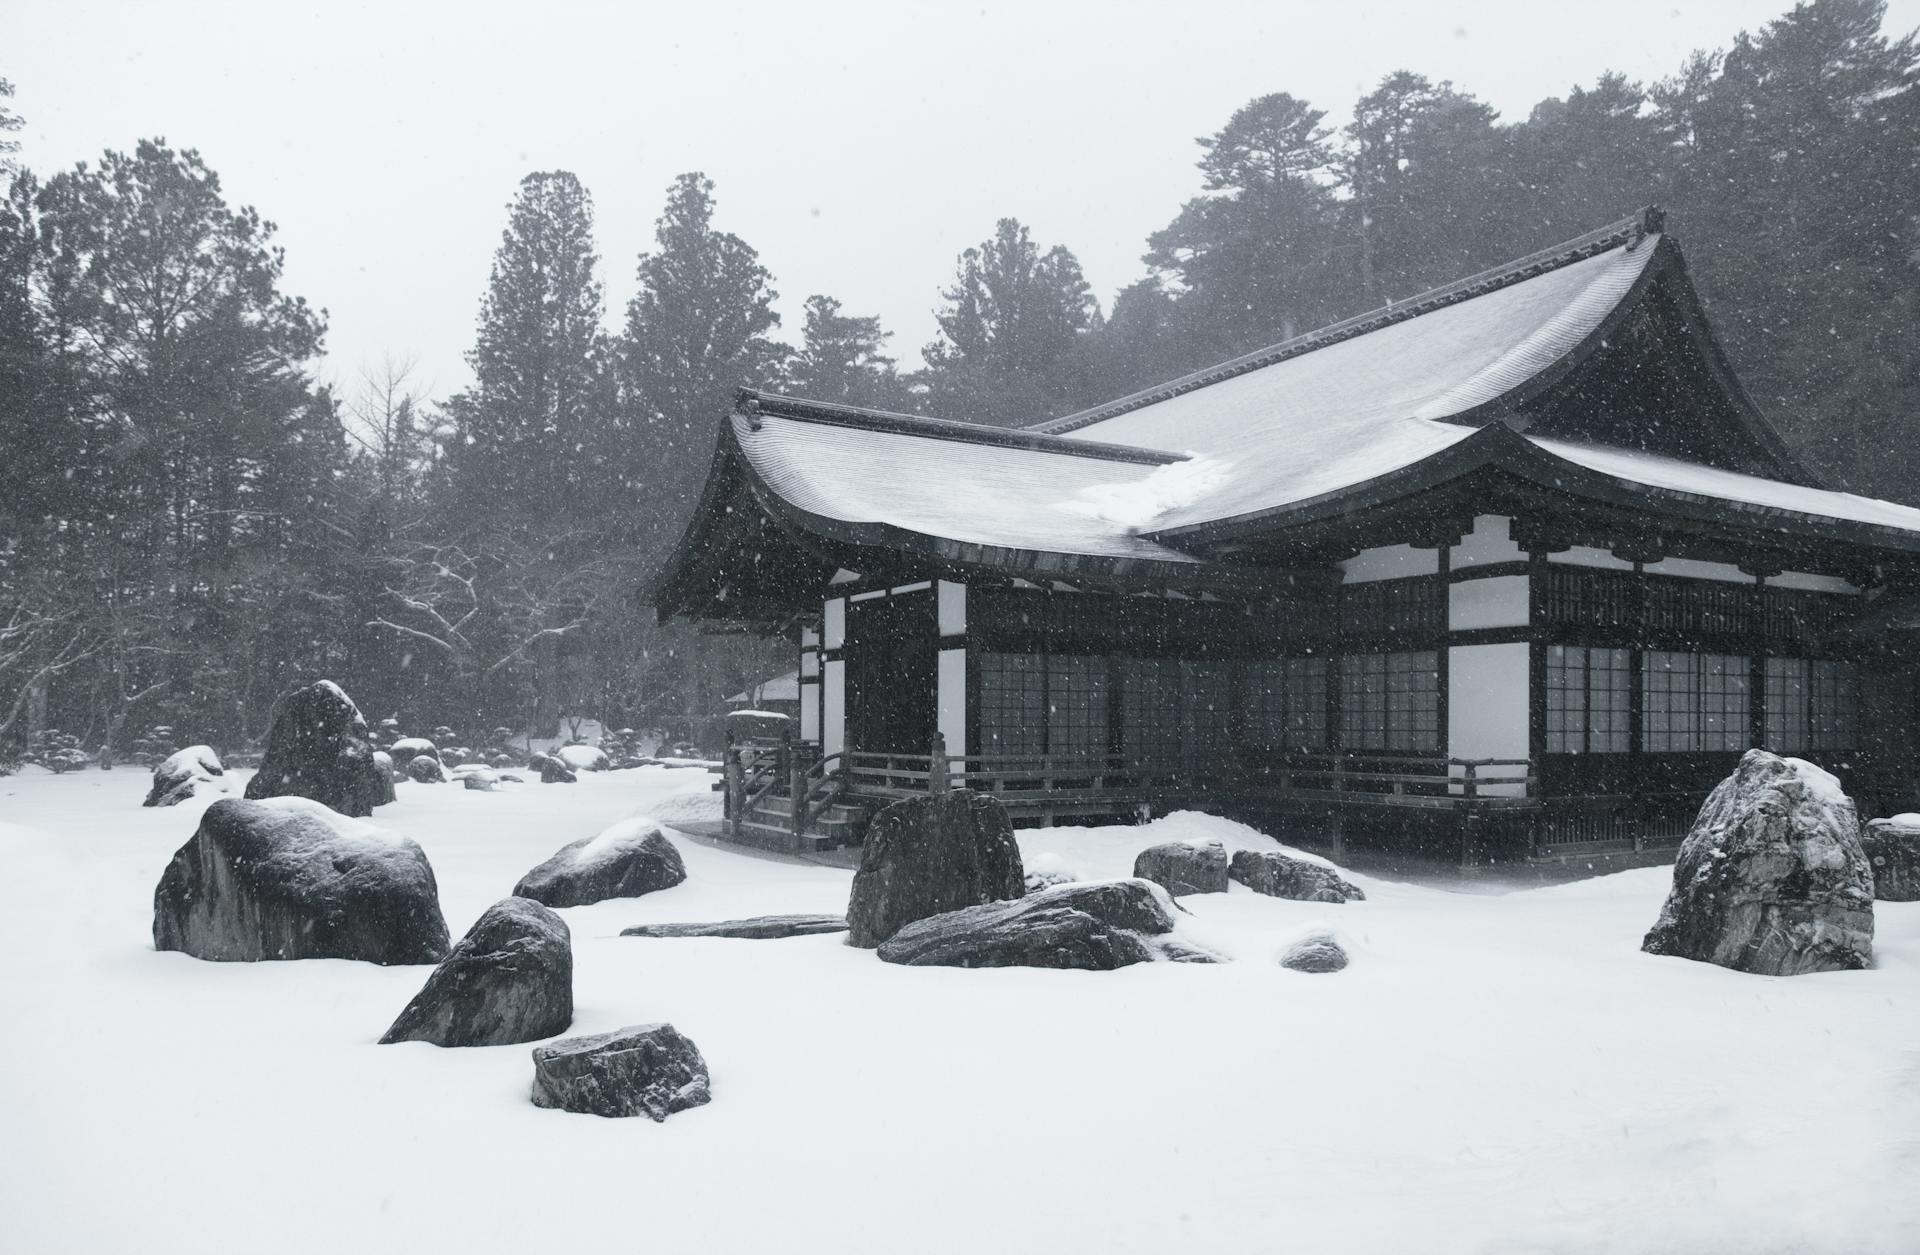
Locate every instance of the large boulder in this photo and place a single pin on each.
(1183, 867)
(185, 773)
(759, 928)
(1772, 877)
(647, 1070)
(426, 769)
(485, 780)
(510, 979)
(1089, 925)
(929, 855)
(318, 748)
(1283, 876)
(631, 858)
(553, 771)
(287, 878)
(1892, 846)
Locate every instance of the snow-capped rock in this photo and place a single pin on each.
(1772, 878)
(318, 748)
(510, 979)
(185, 773)
(408, 748)
(426, 769)
(929, 855)
(1182, 867)
(631, 858)
(1892, 847)
(646, 1070)
(583, 757)
(1282, 876)
(1044, 871)
(553, 771)
(288, 878)
(1318, 951)
(1090, 925)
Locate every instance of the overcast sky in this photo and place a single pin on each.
(858, 147)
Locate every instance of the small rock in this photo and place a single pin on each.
(408, 748)
(1282, 876)
(426, 769)
(510, 979)
(1315, 952)
(582, 757)
(1044, 871)
(184, 774)
(759, 928)
(1892, 846)
(482, 781)
(649, 1070)
(631, 858)
(1183, 867)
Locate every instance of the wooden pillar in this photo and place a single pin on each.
(937, 765)
(736, 792)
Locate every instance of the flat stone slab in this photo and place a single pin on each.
(759, 928)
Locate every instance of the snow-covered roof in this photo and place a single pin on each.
(1633, 466)
(941, 480)
(781, 688)
(1365, 411)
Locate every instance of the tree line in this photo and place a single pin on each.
(190, 522)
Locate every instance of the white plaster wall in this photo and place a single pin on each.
(810, 712)
(1491, 540)
(952, 608)
(1494, 602)
(1693, 569)
(1487, 708)
(834, 623)
(833, 708)
(1587, 555)
(1390, 562)
(951, 707)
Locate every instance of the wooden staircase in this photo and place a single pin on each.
(768, 824)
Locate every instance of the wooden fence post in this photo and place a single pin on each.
(937, 765)
(736, 792)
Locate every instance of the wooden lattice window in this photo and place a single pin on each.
(1812, 704)
(1589, 695)
(1692, 703)
(1287, 703)
(1390, 701)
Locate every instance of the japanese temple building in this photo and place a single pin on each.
(1510, 570)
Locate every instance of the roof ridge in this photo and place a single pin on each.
(752, 402)
(1629, 231)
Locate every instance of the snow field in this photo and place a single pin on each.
(1494, 1072)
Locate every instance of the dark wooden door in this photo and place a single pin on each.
(891, 674)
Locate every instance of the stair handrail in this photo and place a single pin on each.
(805, 809)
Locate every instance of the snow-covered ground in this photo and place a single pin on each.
(1499, 1073)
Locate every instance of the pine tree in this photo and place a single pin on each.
(533, 432)
(1431, 191)
(699, 326)
(841, 358)
(1013, 333)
